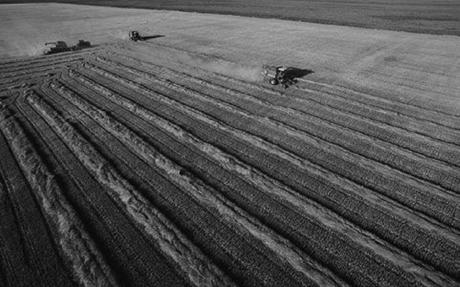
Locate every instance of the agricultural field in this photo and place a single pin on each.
(170, 162)
(421, 16)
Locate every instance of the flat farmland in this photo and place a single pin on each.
(421, 16)
(170, 162)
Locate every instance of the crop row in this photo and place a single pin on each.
(129, 251)
(176, 246)
(366, 174)
(334, 100)
(249, 261)
(151, 94)
(199, 190)
(24, 228)
(424, 103)
(87, 263)
(338, 242)
(412, 144)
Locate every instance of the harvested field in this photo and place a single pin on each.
(157, 164)
(421, 16)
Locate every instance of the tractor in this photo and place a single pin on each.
(135, 36)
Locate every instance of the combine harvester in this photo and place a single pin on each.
(61, 46)
(283, 75)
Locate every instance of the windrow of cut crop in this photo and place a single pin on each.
(286, 251)
(243, 169)
(195, 266)
(439, 206)
(135, 258)
(87, 263)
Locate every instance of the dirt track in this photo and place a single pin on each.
(144, 163)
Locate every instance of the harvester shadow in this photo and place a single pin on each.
(292, 75)
(145, 38)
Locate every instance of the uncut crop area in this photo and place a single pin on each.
(142, 164)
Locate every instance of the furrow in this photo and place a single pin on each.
(88, 265)
(260, 143)
(206, 195)
(412, 187)
(196, 267)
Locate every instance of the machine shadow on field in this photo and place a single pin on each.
(145, 38)
(295, 73)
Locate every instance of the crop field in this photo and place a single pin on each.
(420, 16)
(156, 163)
(121, 171)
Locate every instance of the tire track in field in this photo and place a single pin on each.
(88, 265)
(206, 195)
(409, 198)
(251, 139)
(196, 267)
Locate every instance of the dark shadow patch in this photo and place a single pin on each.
(292, 74)
(145, 38)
